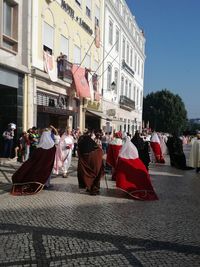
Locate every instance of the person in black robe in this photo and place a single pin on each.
(177, 156)
(143, 149)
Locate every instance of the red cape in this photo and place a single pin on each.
(157, 152)
(31, 177)
(133, 178)
(112, 154)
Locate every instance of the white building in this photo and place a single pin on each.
(123, 68)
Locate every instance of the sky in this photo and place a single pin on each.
(172, 32)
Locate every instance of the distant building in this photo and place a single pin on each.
(123, 68)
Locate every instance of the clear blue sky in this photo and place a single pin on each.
(172, 32)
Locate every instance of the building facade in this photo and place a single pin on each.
(124, 59)
(37, 75)
(13, 61)
(63, 35)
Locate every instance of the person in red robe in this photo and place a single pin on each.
(113, 152)
(31, 177)
(156, 148)
(132, 175)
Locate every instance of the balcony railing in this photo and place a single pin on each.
(128, 69)
(126, 103)
(64, 69)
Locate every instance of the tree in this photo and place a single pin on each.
(165, 112)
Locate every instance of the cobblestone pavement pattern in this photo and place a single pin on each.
(63, 227)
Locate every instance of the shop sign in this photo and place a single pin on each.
(111, 112)
(93, 105)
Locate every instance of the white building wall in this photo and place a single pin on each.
(118, 12)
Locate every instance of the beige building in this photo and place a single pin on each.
(63, 34)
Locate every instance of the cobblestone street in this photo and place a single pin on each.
(63, 227)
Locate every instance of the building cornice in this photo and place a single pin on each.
(20, 68)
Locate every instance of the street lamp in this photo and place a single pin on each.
(113, 85)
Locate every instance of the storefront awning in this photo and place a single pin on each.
(99, 114)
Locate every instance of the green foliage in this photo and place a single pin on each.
(165, 112)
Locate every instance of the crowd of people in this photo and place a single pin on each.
(50, 151)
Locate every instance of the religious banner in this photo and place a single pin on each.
(50, 66)
(81, 83)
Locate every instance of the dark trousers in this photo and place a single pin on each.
(8, 144)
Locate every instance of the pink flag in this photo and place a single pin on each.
(82, 86)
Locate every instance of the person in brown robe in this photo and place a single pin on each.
(31, 177)
(90, 164)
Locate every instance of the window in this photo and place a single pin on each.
(127, 53)
(122, 85)
(87, 61)
(126, 88)
(48, 33)
(109, 77)
(64, 45)
(138, 66)
(88, 8)
(124, 14)
(110, 32)
(77, 55)
(141, 98)
(96, 67)
(97, 16)
(129, 90)
(10, 25)
(123, 49)
(135, 62)
(137, 101)
(134, 93)
(131, 58)
(116, 81)
(78, 2)
(142, 70)
(117, 40)
(117, 5)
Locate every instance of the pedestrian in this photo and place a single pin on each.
(97, 139)
(76, 134)
(132, 175)
(55, 135)
(143, 149)
(33, 174)
(156, 148)
(34, 139)
(90, 164)
(64, 150)
(195, 153)
(105, 141)
(8, 136)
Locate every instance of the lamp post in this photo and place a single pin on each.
(113, 86)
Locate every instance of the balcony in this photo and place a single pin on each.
(64, 69)
(128, 69)
(126, 103)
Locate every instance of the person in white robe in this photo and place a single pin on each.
(64, 153)
(194, 160)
